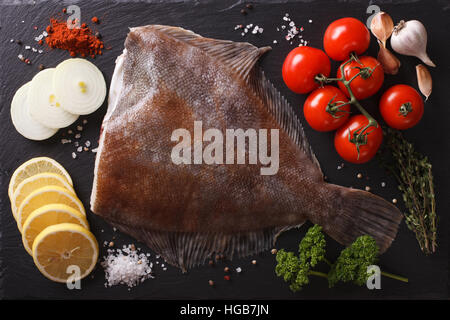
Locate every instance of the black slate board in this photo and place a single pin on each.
(428, 275)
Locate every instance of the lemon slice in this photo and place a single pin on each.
(44, 196)
(45, 106)
(65, 245)
(35, 182)
(79, 86)
(23, 122)
(46, 216)
(35, 166)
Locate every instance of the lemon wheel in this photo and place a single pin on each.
(35, 166)
(62, 248)
(44, 196)
(46, 216)
(35, 182)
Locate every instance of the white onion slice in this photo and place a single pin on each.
(79, 86)
(23, 122)
(44, 105)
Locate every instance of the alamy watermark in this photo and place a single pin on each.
(236, 152)
(74, 280)
(74, 20)
(374, 10)
(374, 279)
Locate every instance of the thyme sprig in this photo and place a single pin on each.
(413, 172)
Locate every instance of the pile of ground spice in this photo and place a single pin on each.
(78, 41)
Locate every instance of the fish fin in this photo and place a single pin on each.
(282, 111)
(238, 56)
(186, 250)
(354, 213)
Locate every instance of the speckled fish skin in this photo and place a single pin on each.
(166, 79)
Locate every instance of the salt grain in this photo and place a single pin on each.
(292, 32)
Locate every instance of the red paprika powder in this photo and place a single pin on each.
(78, 41)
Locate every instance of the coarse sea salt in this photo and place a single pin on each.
(126, 266)
(293, 31)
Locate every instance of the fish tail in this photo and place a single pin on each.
(353, 213)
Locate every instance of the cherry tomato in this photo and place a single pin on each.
(401, 107)
(364, 85)
(315, 109)
(345, 36)
(302, 65)
(347, 149)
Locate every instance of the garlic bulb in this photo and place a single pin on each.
(424, 80)
(382, 27)
(410, 38)
(388, 60)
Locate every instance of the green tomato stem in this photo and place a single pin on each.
(361, 135)
(365, 72)
(353, 101)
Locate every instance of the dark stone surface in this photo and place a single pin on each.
(428, 275)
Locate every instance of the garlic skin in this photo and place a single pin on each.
(382, 27)
(388, 60)
(410, 39)
(424, 80)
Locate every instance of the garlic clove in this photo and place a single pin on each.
(424, 80)
(388, 60)
(410, 38)
(425, 59)
(382, 26)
